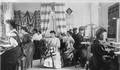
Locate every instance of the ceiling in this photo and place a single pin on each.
(60, 1)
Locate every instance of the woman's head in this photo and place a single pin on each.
(74, 30)
(12, 24)
(81, 29)
(101, 34)
(52, 33)
(24, 30)
(35, 30)
(68, 34)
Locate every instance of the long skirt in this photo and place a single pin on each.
(54, 61)
(36, 50)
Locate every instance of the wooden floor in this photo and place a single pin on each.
(36, 66)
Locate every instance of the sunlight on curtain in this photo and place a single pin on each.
(8, 14)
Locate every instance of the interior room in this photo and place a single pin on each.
(59, 35)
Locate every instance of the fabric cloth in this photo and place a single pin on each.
(28, 49)
(55, 59)
(12, 41)
(67, 49)
(37, 36)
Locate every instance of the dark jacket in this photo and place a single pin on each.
(98, 51)
(78, 39)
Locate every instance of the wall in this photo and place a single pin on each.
(81, 11)
(26, 6)
(94, 13)
(103, 14)
(80, 15)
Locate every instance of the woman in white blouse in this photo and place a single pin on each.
(37, 35)
(11, 56)
(53, 58)
(36, 39)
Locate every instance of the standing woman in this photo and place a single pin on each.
(12, 56)
(36, 39)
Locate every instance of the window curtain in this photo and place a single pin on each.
(51, 16)
(1, 18)
(60, 18)
(6, 12)
(56, 17)
(45, 18)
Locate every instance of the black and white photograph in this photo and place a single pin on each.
(59, 34)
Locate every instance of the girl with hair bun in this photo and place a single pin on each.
(99, 51)
(11, 57)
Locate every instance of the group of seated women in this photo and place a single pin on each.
(59, 51)
(56, 51)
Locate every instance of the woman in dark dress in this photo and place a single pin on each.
(99, 50)
(10, 57)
